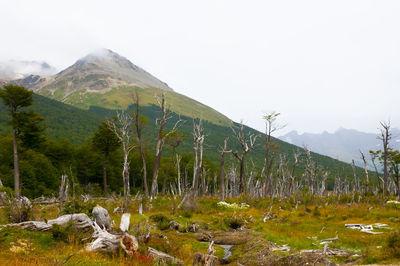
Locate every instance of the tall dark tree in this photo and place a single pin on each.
(15, 98)
(140, 122)
(105, 141)
(30, 130)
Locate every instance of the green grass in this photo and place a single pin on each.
(292, 226)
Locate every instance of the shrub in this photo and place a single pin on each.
(233, 222)
(18, 210)
(161, 220)
(393, 244)
(60, 233)
(78, 206)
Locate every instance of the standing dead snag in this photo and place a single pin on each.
(173, 140)
(160, 141)
(356, 186)
(246, 146)
(270, 127)
(63, 193)
(385, 136)
(365, 169)
(178, 164)
(222, 169)
(198, 142)
(121, 126)
(139, 125)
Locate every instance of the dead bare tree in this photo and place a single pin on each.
(356, 180)
(270, 127)
(247, 144)
(173, 140)
(292, 180)
(121, 126)
(198, 142)
(365, 169)
(223, 151)
(162, 102)
(310, 170)
(385, 137)
(140, 122)
(178, 164)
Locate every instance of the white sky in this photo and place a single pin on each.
(322, 64)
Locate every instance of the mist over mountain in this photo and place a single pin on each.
(99, 71)
(13, 69)
(343, 144)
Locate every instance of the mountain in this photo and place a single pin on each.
(95, 86)
(106, 79)
(343, 144)
(13, 69)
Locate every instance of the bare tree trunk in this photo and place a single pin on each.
(159, 147)
(160, 142)
(385, 137)
(178, 164)
(198, 142)
(356, 183)
(16, 165)
(222, 170)
(365, 169)
(139, 125)
(105, 176)
(171, 161)
(246, 147)
(121, 128)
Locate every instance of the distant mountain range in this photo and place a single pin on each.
(13, 69)
(343, 144)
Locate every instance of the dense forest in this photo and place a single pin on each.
(67, 149)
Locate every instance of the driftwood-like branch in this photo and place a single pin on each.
(107, 242)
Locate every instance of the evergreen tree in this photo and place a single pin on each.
(16, 97)
(105, 141)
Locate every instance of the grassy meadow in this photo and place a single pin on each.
(298, 224)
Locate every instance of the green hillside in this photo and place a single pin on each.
(121, 98)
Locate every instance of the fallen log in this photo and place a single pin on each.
(80, 221)
(163, 256)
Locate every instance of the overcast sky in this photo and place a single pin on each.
(322, 64)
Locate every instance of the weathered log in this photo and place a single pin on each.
(79, 220)
(101, 217)
(163, 256)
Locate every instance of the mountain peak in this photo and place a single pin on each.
(98, 72)
(106, 57)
